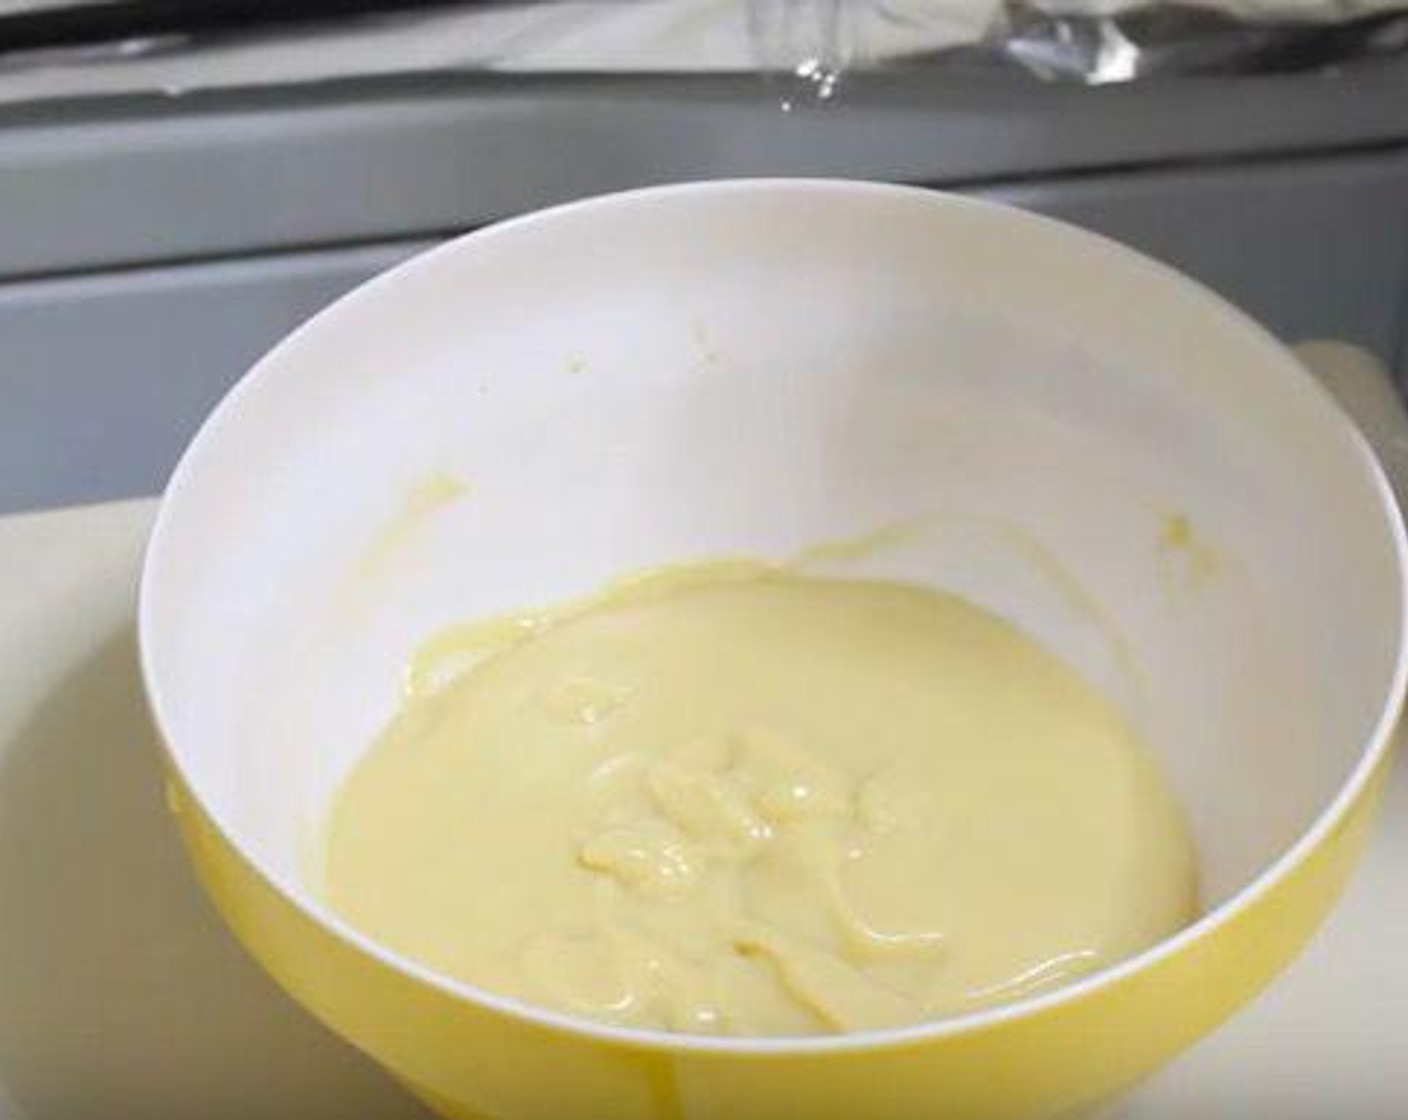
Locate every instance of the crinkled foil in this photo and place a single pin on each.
(1182, 39)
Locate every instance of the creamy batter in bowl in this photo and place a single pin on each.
(1054, 428)
(741, 799)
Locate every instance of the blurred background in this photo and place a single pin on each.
(182, 182)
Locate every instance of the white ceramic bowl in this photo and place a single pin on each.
(1095, 447)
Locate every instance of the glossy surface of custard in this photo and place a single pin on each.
(729, 799)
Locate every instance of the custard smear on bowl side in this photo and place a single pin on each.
(733, 799)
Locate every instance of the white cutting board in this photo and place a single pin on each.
(121, 996)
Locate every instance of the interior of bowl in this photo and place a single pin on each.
(1051, 425)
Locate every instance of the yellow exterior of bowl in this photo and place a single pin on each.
(475, 1062)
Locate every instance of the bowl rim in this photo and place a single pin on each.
(296, 894)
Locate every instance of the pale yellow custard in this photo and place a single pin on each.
(735, 800)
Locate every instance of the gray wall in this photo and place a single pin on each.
(146, 260)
